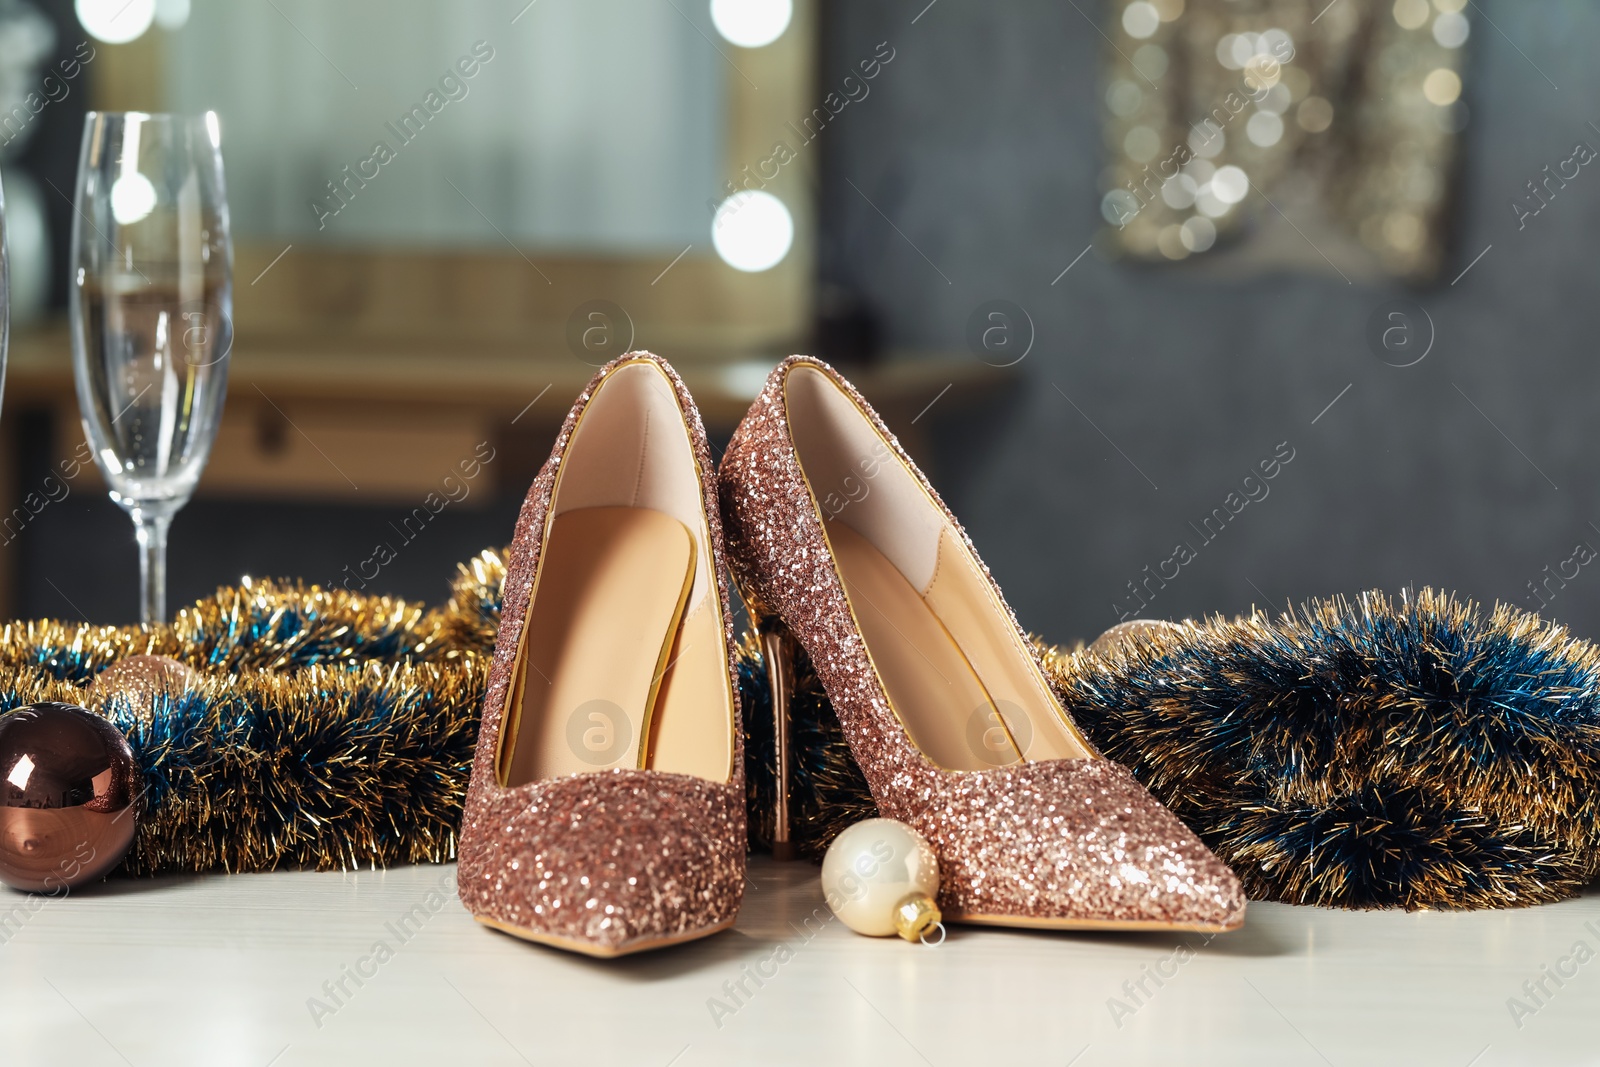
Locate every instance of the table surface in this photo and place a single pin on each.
(494, 379)
(230, 970)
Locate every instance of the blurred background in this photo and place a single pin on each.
(1186, 305)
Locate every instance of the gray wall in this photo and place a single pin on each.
(981, 142)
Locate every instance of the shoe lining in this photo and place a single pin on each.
(623, 661)
(950, 660)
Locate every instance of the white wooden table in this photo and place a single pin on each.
(230, 972)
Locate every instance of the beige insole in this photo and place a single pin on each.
(948, 661)
(963, 599)
(604, 618)
(690, 729)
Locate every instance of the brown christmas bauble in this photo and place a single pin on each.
(140, 678)
(69, 797)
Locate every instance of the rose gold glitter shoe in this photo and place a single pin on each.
(605, 813)
(834, 532)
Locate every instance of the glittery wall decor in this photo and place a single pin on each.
(1277, 131)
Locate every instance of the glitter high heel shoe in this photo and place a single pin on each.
(834, 533)
(606, 812)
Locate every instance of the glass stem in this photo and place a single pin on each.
(150, 527)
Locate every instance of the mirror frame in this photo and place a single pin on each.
(304, 296)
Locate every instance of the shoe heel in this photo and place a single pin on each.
(777, 652)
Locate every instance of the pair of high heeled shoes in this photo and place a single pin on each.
(606, 810)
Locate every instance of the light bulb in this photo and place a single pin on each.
(116, 21)
(751, 23)
(752, 231)
(880, 878)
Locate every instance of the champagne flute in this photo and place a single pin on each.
(5, 293)
(152, 316)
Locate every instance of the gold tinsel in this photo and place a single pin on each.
(324, 728)
(1417, 752)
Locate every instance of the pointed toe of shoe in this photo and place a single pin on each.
(606, 863)
(1073, 844)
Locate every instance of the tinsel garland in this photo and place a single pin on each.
(1356, 754)
(827, 791)
(326, 729)
(1367, 753)
(1415, 754)
(1419, 753)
